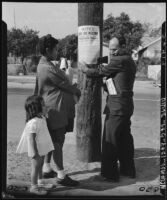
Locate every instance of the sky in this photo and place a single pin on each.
(61, 19)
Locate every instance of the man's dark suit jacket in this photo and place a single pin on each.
(55, 88)
(122, 69)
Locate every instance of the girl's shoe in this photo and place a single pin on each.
(37, 190)
(47, 186)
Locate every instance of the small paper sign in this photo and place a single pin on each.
(89, 44)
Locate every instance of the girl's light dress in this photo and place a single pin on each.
(43, 140)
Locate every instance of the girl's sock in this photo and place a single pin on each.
(61, 174)
(47, 167)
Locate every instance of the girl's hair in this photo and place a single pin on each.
(46, 42)
(33, 106)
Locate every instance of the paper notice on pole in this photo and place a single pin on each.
(88, 44)
(111, 87)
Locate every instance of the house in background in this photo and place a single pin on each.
(152, 49)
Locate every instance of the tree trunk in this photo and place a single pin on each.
(88, 111)
(23, 65)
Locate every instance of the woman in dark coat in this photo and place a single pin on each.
(55, 88)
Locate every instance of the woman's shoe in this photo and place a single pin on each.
(37, 190)
(67, 181)
(51, 174)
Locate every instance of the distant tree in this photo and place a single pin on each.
(123, 26)
(67, 46)
(147, 28)
(151, 31)
(156, 32)
(22, 43)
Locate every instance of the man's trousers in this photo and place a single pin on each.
(117, 144)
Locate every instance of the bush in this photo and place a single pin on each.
(142, 66)
(15, 69)
(33, 69)
(31, 63)
(155, 61)
(19, 69)
(13, 60)
(143, 63)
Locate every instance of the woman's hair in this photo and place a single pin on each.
(46, 42)
(33, 106)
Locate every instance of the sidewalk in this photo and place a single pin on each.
(88, 174)
(90, 181)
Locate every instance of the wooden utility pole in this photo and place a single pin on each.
(88, 115)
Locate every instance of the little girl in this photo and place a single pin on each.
(36, 141)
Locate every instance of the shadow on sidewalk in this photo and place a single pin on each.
(147, 170)
(147, 167)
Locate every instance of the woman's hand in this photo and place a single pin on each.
(83, 67)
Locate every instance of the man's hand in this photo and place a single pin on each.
(36, 156)
(78, 93)
(75, 84)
